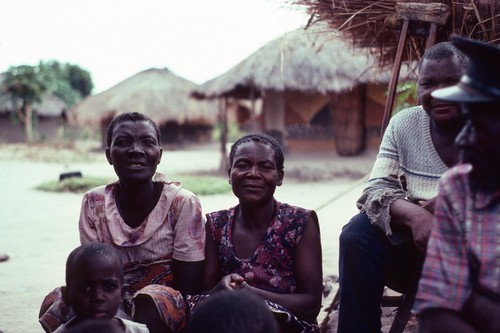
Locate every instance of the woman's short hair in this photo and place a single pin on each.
(260, 138)
(129, 116)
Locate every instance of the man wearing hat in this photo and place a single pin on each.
(459, 290)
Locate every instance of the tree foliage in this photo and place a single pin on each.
(28, 84)
(71, 83)
(407, 95)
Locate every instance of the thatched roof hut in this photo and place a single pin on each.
(49, 106)
(297, 76)
(312, 60)
(50, 114)
(157, 93)
(376, 24)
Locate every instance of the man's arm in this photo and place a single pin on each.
(483, 311)
(412, 217)
(480, 314)
(443, 321)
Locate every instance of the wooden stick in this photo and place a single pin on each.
(389, 103)
(431, 39)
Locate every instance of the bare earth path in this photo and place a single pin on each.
(38, 229)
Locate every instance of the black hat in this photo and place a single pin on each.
(481, 81)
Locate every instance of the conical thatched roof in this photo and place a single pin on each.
(157, 93)
(313, 60)
(50, 105)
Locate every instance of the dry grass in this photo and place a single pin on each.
(375, 23)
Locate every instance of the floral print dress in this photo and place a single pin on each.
(271, 267)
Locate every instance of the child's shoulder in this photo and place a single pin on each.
(133, 327)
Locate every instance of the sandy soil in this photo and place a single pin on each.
(38, 229)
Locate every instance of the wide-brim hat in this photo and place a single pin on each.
(481, 81)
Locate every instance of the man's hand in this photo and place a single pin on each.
(416, 218)
(420, 222)
(429, 204)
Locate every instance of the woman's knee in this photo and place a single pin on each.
(145, 312)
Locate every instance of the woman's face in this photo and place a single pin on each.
(135, 151)
(253, 174)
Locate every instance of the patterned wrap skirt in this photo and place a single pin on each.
(283, 316)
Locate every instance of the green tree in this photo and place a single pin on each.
(407, 95)
(79, 79)
(72, 83)
(27, 84)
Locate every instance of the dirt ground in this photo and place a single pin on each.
(38, 229)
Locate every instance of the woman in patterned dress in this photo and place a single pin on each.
(263, 246)
(154, 223)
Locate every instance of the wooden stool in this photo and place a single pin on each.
(403, 302)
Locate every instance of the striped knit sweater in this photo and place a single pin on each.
(407, 166)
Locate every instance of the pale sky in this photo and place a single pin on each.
(115, 39)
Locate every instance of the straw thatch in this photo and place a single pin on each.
(50, 106)
(157, 93)
(376, 24)
(313, 60)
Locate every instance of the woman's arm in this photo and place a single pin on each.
(184, 272)
(188, 243)
(86, 227)
(211, 274)
(306, 302)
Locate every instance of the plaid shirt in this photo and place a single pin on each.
(464, 247)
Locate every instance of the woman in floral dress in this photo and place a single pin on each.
(263, 246)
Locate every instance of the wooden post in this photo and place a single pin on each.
(223, 134)
(394, 78)
(431, 39)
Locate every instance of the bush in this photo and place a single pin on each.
(200, 185)
(204, 185)
(73, 184)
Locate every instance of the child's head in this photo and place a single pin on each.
(231, 311)
(94, 279)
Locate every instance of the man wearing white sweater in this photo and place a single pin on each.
(384, 244)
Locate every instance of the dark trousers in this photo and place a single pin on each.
(368, 262)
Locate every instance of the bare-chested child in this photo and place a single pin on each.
(94, 280)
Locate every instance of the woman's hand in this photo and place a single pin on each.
(230, 282)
